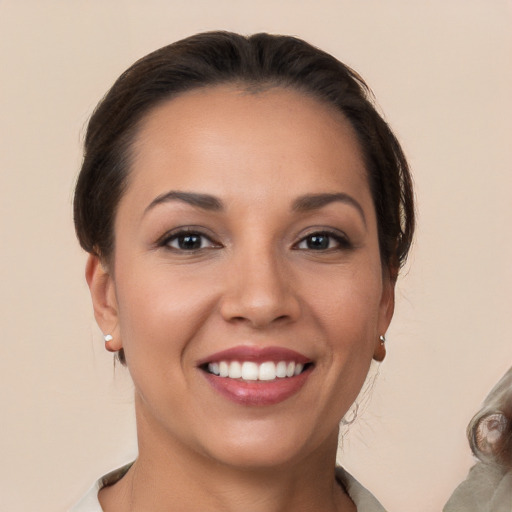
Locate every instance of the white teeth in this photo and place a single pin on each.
(267, 371)
(223, 369)
(235, 370)
(281, 369)
(214, 368)
(250, 370)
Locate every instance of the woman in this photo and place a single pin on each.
(246, 212)
(488, 487)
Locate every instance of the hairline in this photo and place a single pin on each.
(128, 144)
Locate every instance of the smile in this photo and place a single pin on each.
(251, 375)
(251, 371)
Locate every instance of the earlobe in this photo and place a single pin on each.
(380, 350)
(101, 286)
(387, 308)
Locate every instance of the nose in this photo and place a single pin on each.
(259, 292)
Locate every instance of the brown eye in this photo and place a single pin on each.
(189, 241)
(318, 242)
(323, 241)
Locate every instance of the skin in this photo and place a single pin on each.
(255, 281)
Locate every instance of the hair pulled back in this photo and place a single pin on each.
(255, 62)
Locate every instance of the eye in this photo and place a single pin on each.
(323, 241)
(188, 241)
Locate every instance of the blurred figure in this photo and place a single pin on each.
(488, 487)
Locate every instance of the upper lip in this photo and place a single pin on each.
(255, 354)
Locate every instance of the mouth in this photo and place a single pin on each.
(252, 371)
(257, 376)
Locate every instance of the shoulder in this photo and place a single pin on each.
(90, 502)
(364, 500)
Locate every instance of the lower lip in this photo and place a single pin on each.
(258, 392)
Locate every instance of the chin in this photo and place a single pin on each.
(257, 456)
(259, 445)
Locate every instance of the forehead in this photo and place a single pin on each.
(225, 139)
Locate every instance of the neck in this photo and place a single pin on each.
(170, 476)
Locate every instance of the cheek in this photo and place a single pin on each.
(159, 310)
(348, 302)
(160, 316)
(348, 319)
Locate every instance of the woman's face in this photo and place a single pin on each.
(246, 250)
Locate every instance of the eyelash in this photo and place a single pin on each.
(182, 233)
(340, 241)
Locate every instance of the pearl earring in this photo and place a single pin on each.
(107, 338)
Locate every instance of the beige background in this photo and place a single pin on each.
(442, 71)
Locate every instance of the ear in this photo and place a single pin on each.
(104, 301)
(386, 310)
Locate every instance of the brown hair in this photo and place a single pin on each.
(254, 62)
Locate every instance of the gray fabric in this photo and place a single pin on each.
(488, 488)
(364, 500)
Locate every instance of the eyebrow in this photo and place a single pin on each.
(312, 202)
(203, 201)
(306, 203)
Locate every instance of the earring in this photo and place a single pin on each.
(380, 350)
(108, 338)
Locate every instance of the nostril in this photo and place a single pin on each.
(260, 320)
(237, 319)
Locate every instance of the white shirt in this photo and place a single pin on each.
(363, 499)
